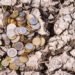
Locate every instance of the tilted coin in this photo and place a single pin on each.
(13, 21)
(31, 19)
(5, 62)
(12, 52)
(14, 14)
(16, 39)
(18, 45)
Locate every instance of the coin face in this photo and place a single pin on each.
(29, 46)
(22, 30)
(5, 62)
(36, 41)
(18, 45)
(12, 52)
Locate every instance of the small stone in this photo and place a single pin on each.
(72, 52)
(8, 2)
(13, 73)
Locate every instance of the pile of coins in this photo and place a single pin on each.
(19, 38)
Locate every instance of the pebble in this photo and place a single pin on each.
(5, 62)
(13, 73)
(8, 2)
(12, 52)
(31, 19)
(16, 39)
(22, 30)
(72, 52)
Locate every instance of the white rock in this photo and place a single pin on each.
(72, 52)
(36, 12)
(8, 2)
(54, 63)
(13, 73)
(45, 3)
(42, 30)
(34, 60)
(36, 3)
(60, 72)
(31, 73)
(25, 1)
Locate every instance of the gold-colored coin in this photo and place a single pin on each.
(14, 14)
(36, 41)
(23, 59)
(13, 66)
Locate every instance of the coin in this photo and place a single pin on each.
(13, 66)
(23, 59)
(36, 41)
(18, 45)
(12, 52)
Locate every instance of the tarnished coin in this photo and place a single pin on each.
(16, 61)
(12, 52)
(6, 61)
(11, 26)
(22, 30)
(13, 21)
(36, 27)
(13, 66)
(31, 19)
(18, 45)
(20, 52)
